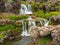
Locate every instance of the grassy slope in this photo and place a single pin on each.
(44, 40)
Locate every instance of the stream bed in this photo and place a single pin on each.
(24, 41)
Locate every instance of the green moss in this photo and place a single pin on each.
(6, 27)
(47, 15)
(1, 36)
(14, 17)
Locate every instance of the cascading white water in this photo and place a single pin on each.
(25, 32)
(31, 22)
(25, 9)
(46, 23)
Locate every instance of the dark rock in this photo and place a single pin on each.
(11, 38)
(18, 37)
(9, 6)
(16, 8)
(2, 6)
(56, 19)
(5, 37)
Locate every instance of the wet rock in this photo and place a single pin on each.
(18, 37)
(11, 38)
(56, 19)
(1, 40)
(5, 37)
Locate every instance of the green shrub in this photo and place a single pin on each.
(6, 27)
(14, 17)
(47, 15)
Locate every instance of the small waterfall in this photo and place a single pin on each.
(46, 23)
(25, 9)
(25, 32)
(31, 22)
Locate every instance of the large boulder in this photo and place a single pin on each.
(44, 31)
(41, 31)
(34, 32)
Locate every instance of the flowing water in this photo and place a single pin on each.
(25, 9)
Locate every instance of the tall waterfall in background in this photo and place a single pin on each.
(25, 9)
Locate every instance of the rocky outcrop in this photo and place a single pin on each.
(13, 7)
(42, 31)
(56, 19)
(34, 32)
(9, 35)
(56, 35)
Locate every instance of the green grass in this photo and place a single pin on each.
(6, 27)
(44, 40)
(12, 27)
(47, 15)
(1, 36)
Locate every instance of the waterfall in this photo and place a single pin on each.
(25, 9)
(25, 32)
(47, 22)
(31, 22)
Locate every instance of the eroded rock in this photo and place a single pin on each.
(56, 35)
(42, 31)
